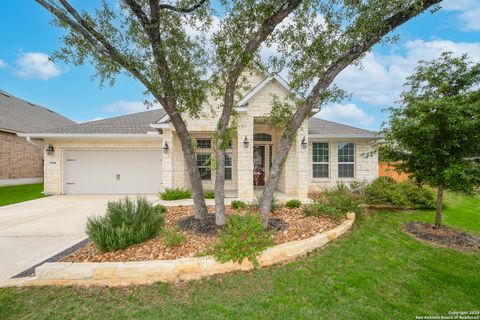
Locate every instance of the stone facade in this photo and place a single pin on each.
(19, 160)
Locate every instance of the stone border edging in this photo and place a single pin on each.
(146, 272)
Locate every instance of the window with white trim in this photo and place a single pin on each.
(320, 160)
(346, 160)
(228, 166)
(204, 165)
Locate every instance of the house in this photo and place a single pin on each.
(21, 162)
(141, 153)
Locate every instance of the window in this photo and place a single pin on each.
(203, 163)
(262, 137)
(204, 143)
(270, 156)
(320, 160)
(228, 166)
(346, 160)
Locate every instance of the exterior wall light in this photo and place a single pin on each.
(50, 150)
(166, 147)
(245, 142)
(304, 143)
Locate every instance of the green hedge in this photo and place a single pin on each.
(175, 194)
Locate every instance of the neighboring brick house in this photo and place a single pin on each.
(22, 161)
(141, 153)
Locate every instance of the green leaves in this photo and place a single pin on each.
(435, 129)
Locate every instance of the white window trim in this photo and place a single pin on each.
(327, 163)
(354, 161)
(196, 158)
(231, 166)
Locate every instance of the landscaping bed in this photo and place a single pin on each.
(287, 225)
(443, 236)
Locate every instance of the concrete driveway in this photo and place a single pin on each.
(33, 231)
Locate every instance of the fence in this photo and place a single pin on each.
(387, 169)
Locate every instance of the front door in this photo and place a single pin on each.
(258, 166)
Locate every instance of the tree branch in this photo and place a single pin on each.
(181, 10)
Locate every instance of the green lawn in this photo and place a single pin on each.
(375, 272)
(14, 194)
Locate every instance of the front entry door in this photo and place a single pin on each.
(258, 166)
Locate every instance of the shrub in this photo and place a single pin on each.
(175, 194)
(336, 203)
(238, 204)
(274, 205)
(126, 223)
(243, 238)
(209, 194)
(173, 237)
(385, 190)
(294, 203)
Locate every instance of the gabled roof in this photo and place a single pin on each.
(262, 85)
(136, 123)
(17, 115)
(327, 129)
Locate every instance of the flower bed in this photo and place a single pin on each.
(292, 225)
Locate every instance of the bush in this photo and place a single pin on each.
(294, 203)
(387, 191)
(274, 205)
(173, 237)
(243, 238)
(126, 223)
(238, 204)
(209, 194)
(175, 194)
(336, 203)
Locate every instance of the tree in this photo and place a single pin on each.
(435, 129)
(153, 42)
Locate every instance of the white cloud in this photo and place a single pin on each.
(126, 107)
(468, 13)
(3, 64)
(36, 65)
(346, 113)
(381, 78)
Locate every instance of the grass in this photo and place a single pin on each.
(375, 272)
(15, 194)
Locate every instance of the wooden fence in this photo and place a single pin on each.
(386, 169)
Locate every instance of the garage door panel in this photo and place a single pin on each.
(113, 171)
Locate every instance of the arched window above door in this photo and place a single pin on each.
(262, 137)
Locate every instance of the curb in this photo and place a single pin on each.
(147, 272)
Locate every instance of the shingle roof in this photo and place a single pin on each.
(326, 128)
(137, 123)
(18, 115)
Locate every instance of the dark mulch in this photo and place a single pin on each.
(443, 236)
(208, 226)
(205, 226)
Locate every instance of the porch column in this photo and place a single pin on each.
(167, 159)
(303, 162)
(245, 157)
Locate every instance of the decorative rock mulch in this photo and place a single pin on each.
(443, 236)
(288, 225)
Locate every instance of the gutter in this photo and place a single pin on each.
(29, 140)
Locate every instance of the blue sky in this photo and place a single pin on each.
(28, 38)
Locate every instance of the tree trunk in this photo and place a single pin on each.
(438, 212)
(201, 210)
(220, 211)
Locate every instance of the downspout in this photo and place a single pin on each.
(29, 140)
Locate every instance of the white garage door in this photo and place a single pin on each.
(113, 172)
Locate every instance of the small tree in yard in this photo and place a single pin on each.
(435, 130)
(168, 46)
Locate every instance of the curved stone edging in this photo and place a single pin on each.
(145, 272)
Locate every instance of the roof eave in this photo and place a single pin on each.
(344, 136)
(148, 135)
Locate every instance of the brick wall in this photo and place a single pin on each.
(18, 158)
